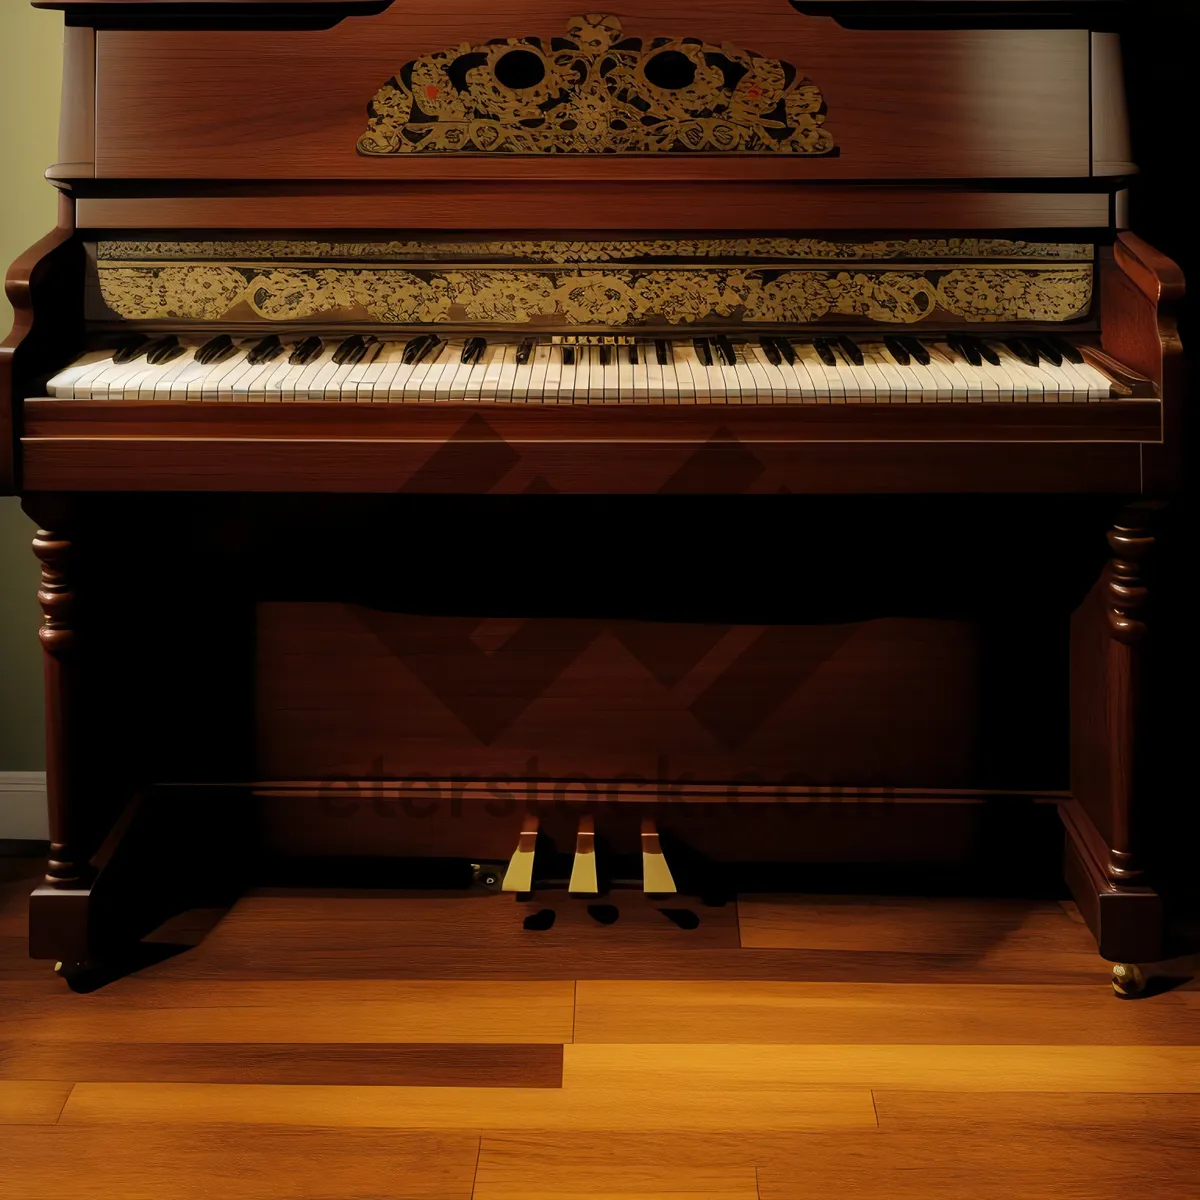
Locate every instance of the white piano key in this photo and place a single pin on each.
(506, 391)
(360, 371)
(858, 382)
(388, 356)
(939, 383)
(1099, 385)
(683, 353)
(775, 385)
(63, 384)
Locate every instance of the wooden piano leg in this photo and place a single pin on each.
(58, 907)
(1103, 868)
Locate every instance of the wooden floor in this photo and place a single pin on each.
(339, 1046)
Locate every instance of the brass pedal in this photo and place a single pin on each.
(657, 879)
(584, 879)
(519, 876)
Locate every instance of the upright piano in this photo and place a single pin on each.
(635, 443)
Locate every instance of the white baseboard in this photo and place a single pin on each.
(23, 805)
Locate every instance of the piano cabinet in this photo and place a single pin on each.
(923, 590)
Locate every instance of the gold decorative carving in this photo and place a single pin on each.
(608, 296)
(636, 250)
(596, 91)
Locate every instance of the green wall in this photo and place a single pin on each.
(30, 74)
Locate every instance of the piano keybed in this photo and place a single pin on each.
(587, 370)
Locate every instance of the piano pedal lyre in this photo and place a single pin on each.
(519, 876)
(657, 879)
(585, 880)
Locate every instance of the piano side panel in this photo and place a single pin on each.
(901, 104)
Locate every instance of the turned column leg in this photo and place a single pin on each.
(67, 867)
(1125, 594)
(1103, 816)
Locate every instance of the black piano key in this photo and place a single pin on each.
(473, 350)
(633, 352)
(306, 350)
(568, 353)
(129, 348)
(989, 355)
(725, 349)
(1023, 350)
(785, 348)
(163, 349)
(1065, 348)
(771, 350)
(825, 351)
(216, 349)
(896, 348)
(266, 350)
(703, 350)
(605, 353)
(415, 346)
(432, 347)
(524, 351)
(350, 351)
(662, 352)
(967, 348)
(915, 349)
(850, 348)
(1048, 351)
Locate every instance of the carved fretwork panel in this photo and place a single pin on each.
(597, 91)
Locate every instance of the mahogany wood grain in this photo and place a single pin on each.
(77, 124)
(498, 466)
(39, 278)
(68, 866)
(1140, 296)
(1108, 421)
(227, 105)
(486, 204)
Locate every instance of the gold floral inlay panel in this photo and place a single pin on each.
(596, 91)
(600, 296)
(593, 250)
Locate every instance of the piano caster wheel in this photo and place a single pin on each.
(78, 976)
(488, 876)
(1128, 980)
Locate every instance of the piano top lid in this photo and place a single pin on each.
(212, 14)
(966, 14)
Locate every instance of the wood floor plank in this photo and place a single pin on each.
(421, 1065)
(989, 930)
(1038, 1164)
(1176, 1115)
(279, 935)
(779, 1068)
(143, 1162)
(31, 1102)
(142, 1009)
(746, 1011)
(561, 1166)
(635, 1106)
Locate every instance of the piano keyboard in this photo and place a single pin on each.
(427, 368)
